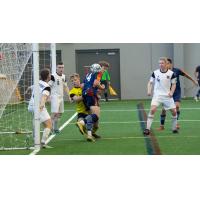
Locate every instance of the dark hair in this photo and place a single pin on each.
(60, 63)
(44, 74)
(169, 60)
(104, 63)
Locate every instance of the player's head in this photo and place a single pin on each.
(104, 64)
(94, 68)
(45, 75)
(169, 63)
(163, 63)
(75, 79)
(60, 68)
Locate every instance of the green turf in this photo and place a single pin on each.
(122, 135)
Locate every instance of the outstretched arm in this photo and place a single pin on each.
(189, 77)
(149, 88)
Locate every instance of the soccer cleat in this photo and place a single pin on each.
(90, 138)
(96, 136)
(45, 146)
(56, 131)
(175, 131)
(81, 128)
(146, 131)
(161, 128)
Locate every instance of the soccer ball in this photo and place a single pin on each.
(95, 68)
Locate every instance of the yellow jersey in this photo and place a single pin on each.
(80, 106)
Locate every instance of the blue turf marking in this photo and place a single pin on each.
(149, 145)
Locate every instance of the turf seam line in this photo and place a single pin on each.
(151, 141)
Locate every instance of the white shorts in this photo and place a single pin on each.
(57, 104)
(165, 101)
(43, 115)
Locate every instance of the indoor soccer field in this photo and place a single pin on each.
(121, 128)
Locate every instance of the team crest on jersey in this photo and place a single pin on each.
(168, 77)
(158, 79)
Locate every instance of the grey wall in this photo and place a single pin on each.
(137, 61)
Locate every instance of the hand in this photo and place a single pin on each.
(170, 94)
(41, 108)
(196, 83)
(149, 93)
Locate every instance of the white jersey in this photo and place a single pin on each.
(44, 89)
(57, 84)
(162, 82)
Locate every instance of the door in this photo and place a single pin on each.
(85, 58)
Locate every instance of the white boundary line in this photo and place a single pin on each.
(135, 122)
(138, 137)
(131, 110)
(52, 136)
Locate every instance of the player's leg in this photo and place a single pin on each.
(81, 123)
(94, 130)
(91, 119)
(174, 120)
(54, 112)
(45, 119)
(177, 103)
(150, 119)
(106, 90)
(162, 120)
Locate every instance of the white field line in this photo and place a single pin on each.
(136, 137)
(131, 110)
(135, 122)
(52, 136)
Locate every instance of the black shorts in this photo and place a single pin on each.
(81, 115)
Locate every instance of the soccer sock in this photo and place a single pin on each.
(106, 95)
(45, 135)
(55, 124)
(174, 122)
(149, 121)
(90, 120)
(89, 133)
(178, 114)
(162, 119)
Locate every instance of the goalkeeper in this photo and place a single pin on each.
(76, 96)
(105, 79)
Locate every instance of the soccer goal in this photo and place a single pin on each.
(20, 64)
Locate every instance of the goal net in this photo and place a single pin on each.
(16, 77)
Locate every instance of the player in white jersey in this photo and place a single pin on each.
(58, 84)
(45, 118)
(164, 82)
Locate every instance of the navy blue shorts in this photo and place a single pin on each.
(90, 101)
(177, 97)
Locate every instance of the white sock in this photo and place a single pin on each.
(174, 122)
(89, 133)
(82, 122)
(45, 135)
(149, 121)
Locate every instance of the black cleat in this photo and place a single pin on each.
(146, 131)
(96, 136)
(175, 131)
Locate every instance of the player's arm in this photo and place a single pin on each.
(97, 82)
(150, 85)
(66, 88)
(76, 98)
(173, 86)
(51, 82)
(189, 77)
(30, 88)
(45, 95)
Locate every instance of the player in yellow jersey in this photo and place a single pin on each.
(76, 96)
